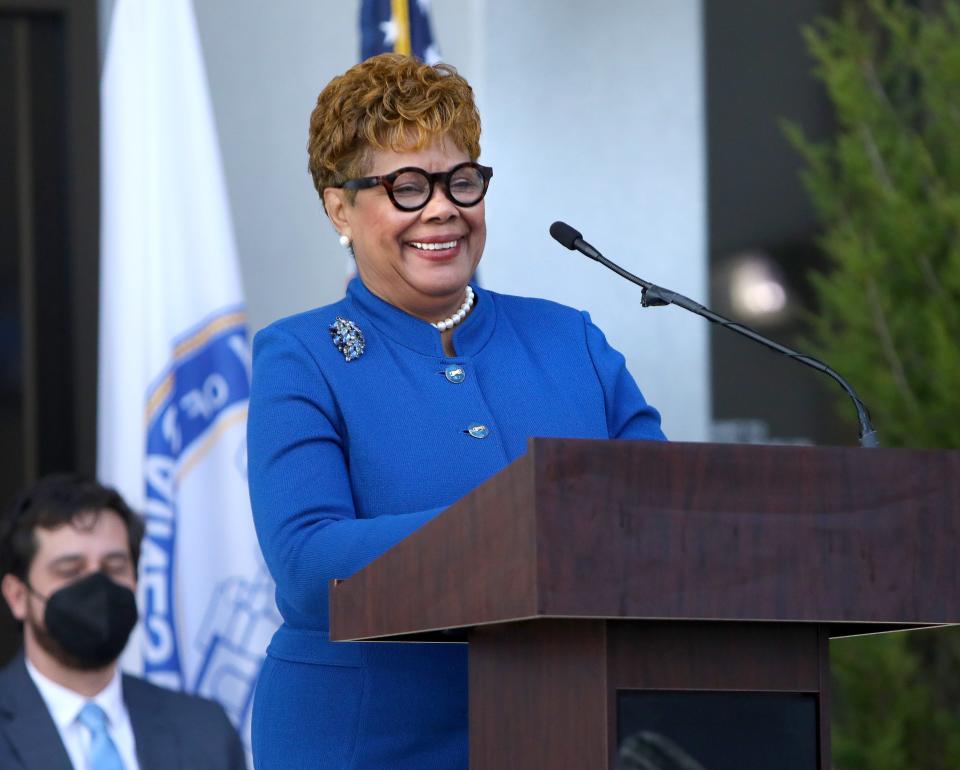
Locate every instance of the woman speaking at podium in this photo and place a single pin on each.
(369, 416)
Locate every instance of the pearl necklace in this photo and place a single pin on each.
(449, 323)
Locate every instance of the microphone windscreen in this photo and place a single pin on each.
(564, 234)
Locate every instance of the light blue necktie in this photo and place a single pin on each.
(103, 751)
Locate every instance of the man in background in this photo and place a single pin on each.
(68, 559)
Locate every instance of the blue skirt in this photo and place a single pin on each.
(398, 707)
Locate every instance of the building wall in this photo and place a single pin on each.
(596, 117)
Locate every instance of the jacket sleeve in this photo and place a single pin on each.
(629, 416)
(300, 489)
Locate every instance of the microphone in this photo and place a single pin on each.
(567, 236)
(655, 296)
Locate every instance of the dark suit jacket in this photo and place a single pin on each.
(173, 731)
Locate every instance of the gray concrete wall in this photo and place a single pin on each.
(594, 115)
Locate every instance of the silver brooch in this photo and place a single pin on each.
(347, 338)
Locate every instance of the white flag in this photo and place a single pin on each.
(175, 363)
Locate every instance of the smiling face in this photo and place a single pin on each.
(419, 261)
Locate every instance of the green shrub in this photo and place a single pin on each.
(886, 187)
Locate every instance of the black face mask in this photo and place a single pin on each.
(91, 620)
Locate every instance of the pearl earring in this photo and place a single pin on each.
(344, 241)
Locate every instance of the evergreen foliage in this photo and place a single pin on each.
(888, 705)
(887, 189)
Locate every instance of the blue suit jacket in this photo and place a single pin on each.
(346, 458)
(173, 731)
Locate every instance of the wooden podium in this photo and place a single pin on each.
(599, 582)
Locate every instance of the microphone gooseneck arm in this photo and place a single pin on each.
(656, 296)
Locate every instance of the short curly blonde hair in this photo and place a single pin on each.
(388, 102)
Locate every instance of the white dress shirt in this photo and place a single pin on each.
(64, 706)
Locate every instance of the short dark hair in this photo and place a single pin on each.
(50, 503)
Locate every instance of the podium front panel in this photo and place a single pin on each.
(569, 694)
(680, 730)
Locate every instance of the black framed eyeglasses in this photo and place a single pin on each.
(410, 188)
